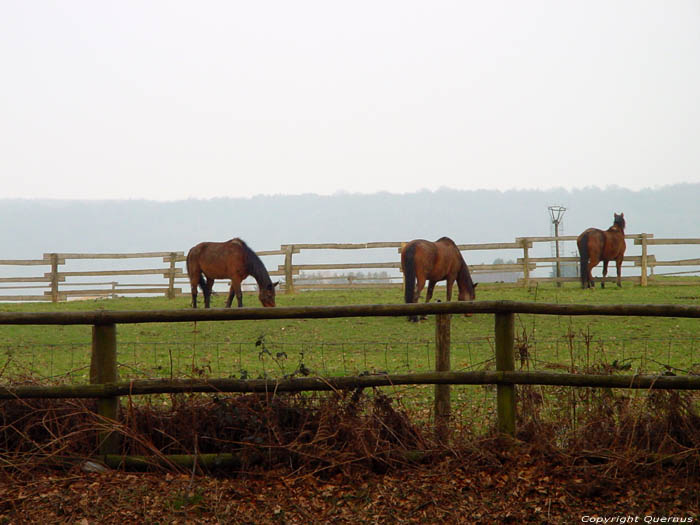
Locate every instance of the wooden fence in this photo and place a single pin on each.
(107, 388)
(58, 284)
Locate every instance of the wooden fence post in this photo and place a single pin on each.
(505, 360)
(442, 364)
(103, 369)
(288, 274)
(171, 276)
(643, 281)
(526, 263)
(54, 277)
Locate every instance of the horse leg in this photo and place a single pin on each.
(194, 275)
(592, 262)
(235, 290)
(605, 273)
(618, 265)
(449, 284)
(231, 293)
(420, 284)
(428, 295)
(194, 294)
(207, 292)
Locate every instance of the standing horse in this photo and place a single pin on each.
(227, 260)
(597, 245)
(435, 261)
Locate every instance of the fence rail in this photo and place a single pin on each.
(57, 280)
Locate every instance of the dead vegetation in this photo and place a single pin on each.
(355, 456)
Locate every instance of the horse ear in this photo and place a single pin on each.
(276, 284)
(476, 284)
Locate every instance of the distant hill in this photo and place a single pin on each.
(32, 227)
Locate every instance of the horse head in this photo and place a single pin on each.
(266, 294)
(619, 221)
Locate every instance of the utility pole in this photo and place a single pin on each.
(557, 213)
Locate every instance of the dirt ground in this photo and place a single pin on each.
(519, 486)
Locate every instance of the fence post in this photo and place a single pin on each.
(171, 276)
(526, 263)
(103, 369)
(505, 360)
(442, 364)
(288, 277)
(643, 281)
(54, 277)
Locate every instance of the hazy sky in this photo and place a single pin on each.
(171, 100)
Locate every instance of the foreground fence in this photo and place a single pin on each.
(107, 388)
(58, 284)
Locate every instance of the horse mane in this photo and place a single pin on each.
(465, 276)
(253, 265)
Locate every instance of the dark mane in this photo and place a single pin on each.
(253, 265)
(465, 277)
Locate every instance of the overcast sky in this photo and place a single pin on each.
(172, 100)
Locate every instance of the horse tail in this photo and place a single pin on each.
(583, 252)
(409, 272)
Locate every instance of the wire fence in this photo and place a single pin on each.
(264, 358)
(473, 406)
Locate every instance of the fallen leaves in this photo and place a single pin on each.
(525, 488)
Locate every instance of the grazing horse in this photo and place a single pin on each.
(597, 245)
(435, 261)
(227, 260)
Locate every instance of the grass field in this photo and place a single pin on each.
(347, 346)
(352, 346)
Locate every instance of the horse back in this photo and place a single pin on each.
(423, 254)
(450, 260)
(615, 244)
(592, 238)
(218, 260)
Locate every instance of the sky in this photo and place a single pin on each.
(171, 100)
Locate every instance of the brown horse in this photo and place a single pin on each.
(435, 261)
(597, 245)
(227, 260)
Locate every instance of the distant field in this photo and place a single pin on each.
(355, 345)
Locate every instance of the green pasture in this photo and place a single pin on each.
(350, 346)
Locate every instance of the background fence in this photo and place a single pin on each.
(76, 275)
